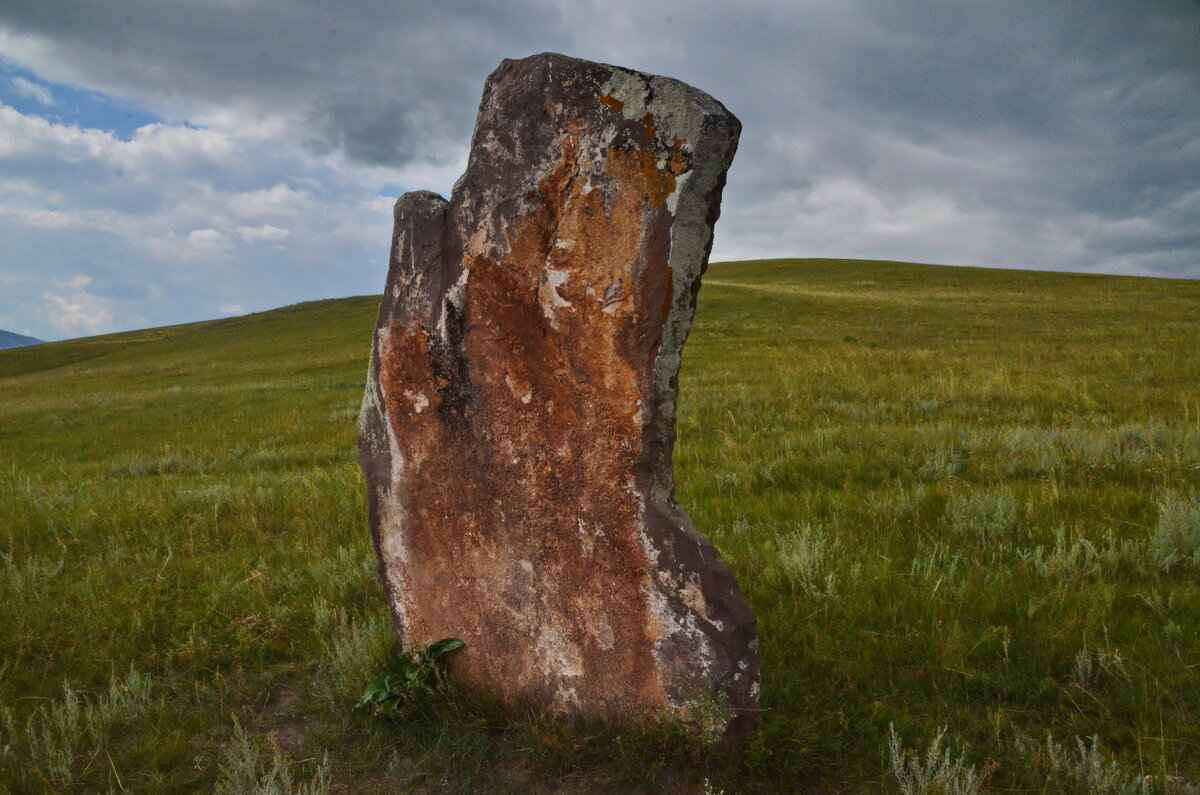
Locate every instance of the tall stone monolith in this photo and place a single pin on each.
(519, 418)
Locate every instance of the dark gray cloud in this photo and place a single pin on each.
(1018, 134)
(336, 73)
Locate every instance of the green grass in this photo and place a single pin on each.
(964, 505)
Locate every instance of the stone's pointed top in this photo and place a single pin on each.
(558, 64)
(627, 91)
(519, 420)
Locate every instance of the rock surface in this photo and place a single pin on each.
(519, 419)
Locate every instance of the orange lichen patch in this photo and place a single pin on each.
(612, 101)
(404, 366)
(640, 171)
(617, 239)
(648, 126)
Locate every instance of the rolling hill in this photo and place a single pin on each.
(963, 503)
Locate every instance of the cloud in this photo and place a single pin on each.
(174, 221)
(208, 242)
(1010, 134)
(280, 200)
(30, 90)
(232, 309)
(262, 234)
(72, 310)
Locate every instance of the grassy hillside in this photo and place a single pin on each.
(964, 504)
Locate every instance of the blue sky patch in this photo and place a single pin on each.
(65, 104)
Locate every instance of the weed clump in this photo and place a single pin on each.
(53, 745)
(248, 769)
(936, 772)
(1089, 770)
(1176, 539)
(417, 672)
(353, 649)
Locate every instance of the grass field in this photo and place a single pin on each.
(964, 505)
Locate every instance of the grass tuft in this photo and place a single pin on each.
(936, 772)
(248, 769)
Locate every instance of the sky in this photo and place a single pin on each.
(165, 161)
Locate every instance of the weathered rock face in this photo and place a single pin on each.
(519, 418)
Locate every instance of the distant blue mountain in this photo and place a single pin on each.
(11, 340)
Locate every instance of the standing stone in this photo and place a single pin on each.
(519, 417)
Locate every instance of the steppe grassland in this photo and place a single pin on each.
(964, 504)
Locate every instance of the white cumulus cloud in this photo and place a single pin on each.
(31, 90)
(262, 234)
(71, 310)
(208, 241)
